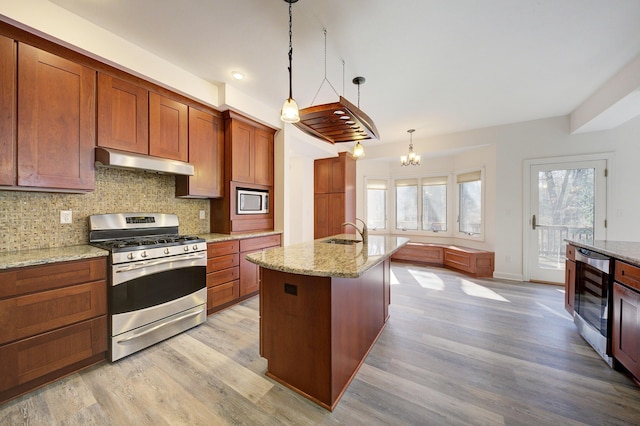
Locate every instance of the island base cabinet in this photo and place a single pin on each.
(626, 328)
(316, 331)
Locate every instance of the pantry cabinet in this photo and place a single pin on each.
(7, 111)
(53, 319)
(334, 195)
(56, 121)
(206, 153)
(123, 115)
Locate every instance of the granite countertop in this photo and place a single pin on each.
(318, 258)
(214, 238)
(22, 258)
(623, 250)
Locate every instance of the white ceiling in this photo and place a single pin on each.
(438, 66)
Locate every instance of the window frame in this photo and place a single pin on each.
(387, 203)
(456, 231)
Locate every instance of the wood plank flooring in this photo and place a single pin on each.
(456, 350)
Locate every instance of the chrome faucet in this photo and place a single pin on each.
(364, 234)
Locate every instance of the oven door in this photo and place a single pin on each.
(152, 300)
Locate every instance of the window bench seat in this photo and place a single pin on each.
(478, 263)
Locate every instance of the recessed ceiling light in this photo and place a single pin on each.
(237, 75)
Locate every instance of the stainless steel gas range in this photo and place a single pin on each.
(157, 278)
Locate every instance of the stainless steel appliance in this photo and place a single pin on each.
(157, 278)
(592, 300)
(252, 201)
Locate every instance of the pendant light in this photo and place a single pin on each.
(411, 159)
(290, 113)
(358, 149)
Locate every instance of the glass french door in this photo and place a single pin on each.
(567, 201)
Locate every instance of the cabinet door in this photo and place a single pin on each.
(242, 152)
(56, 124)
(337, 216)
(263, 156)
(337, 173)
(7, 111)
(626, 328)
(321, 216)
(168, 130)
(569, 285)
(321, 173)
(248, 276)
(206, 150)
(123, 115)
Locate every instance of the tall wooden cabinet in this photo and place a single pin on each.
(248, 154)
(7, 111)
(334, 195)
(56, 121)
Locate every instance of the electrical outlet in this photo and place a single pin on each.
(66, 216)
(201, 214)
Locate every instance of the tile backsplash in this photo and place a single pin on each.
(30, 220)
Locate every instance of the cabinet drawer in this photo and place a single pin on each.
(258, 243)
(222, 248)
(222, 262)
(29, 359)
(29, 315)
(224, 276)
(222, 294)
(571, 252)
(627, 274)
(37, 278)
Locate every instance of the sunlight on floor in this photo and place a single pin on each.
(427, 279)
(476, 290)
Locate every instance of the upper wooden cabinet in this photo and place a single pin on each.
(330, 174)
(206, 153)
(123, 115)
(168, 128)
(7, 111)
(56, 121)
(249, 150)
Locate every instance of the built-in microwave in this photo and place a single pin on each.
(252, 201)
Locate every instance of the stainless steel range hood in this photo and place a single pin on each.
(127, 160)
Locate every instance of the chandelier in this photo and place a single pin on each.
(411, 159)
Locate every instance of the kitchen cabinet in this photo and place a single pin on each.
(248, 163)
(123, 115)
(168, 128)
(625, 344)
(53, 319)
(223, 274)
(249, 147)
(7, 111)
(249, 282)
(206, 153)
(334, 195)
(56, 121)
(570, 278)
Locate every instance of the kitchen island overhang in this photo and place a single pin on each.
(322, 307)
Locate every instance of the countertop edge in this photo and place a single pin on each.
(35, 257)
(616, 249)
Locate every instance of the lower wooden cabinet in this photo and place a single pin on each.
(53, 322)
(625, 343)
(249, 272)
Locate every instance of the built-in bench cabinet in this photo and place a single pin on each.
(230, 277)
(53, 322)
(479, 263)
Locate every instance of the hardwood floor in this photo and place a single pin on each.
(456, 350)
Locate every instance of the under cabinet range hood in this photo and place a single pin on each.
(127, 160)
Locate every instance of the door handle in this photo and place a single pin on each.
(533, 222)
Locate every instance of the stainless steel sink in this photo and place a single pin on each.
(342, 241)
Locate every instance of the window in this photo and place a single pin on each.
(377, 204)
(407, 204)
(470, 203)
(434, 204)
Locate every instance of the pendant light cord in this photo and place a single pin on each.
(290, 53)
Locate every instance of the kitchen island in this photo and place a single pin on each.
(322, 307)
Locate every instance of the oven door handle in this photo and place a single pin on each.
(164, 324)
(162, 261)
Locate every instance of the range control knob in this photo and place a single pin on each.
(195, 247)
(131, 256)
(144, 254)
(186, 248)
(166, 251)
